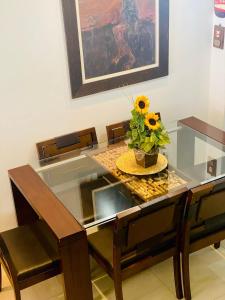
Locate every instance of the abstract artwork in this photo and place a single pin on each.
(112, 43)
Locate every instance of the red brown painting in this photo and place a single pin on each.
(117, 36)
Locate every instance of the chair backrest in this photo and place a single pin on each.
(145, 227)
(117, 132)
(66, 143)
(206, 206)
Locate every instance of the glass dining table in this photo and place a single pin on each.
(92, 187)
(87, 187)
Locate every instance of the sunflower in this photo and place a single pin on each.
(151, 121)
(141, 104)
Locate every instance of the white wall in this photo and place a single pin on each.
(217, 83)
(35, 90)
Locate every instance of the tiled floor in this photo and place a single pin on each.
(207, 282)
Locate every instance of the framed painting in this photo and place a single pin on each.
(113, 43)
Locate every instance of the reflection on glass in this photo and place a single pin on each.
(110, 200)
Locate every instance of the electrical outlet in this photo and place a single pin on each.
(211, 166)
(218, 38)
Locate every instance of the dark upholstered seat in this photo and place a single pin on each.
(28, 251)
(102, 242)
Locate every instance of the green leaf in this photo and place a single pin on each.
(132, 124)
(135, 116)
(129, 134)
(164, 139)
(131, 146)
(134, 134)
(153, 138)
(147, 139)
(142, 138)
(147, 147)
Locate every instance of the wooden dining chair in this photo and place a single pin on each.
(28, 255)
(117, 132)
(66, 143)
(204, 223)
(141, 237)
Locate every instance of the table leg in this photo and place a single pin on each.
(76, 268)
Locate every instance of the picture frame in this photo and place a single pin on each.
(111, 46)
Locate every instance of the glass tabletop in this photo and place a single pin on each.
(93, 189)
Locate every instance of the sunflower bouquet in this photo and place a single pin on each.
(147, 133)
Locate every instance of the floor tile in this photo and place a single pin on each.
(51, 289)
(164, 272)
(53, 286)
(96, 295)
(205, 282)
(222, 248)
(207, 269)
(96, 270)
(7, 292)
(142, 286)
(220, 298)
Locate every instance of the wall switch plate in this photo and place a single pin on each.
(218, 38)
(211, 166)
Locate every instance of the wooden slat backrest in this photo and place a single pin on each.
(66, 143)
(152, 220)
(207, 201)
(117, 132)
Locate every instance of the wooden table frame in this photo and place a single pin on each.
(202, 130)
(34, 200)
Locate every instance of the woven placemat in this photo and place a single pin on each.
(146, 187)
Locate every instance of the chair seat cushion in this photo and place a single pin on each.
(102, 243)
(30, 250)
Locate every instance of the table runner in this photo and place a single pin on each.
(146, 187)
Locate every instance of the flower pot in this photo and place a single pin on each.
(146, 159)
